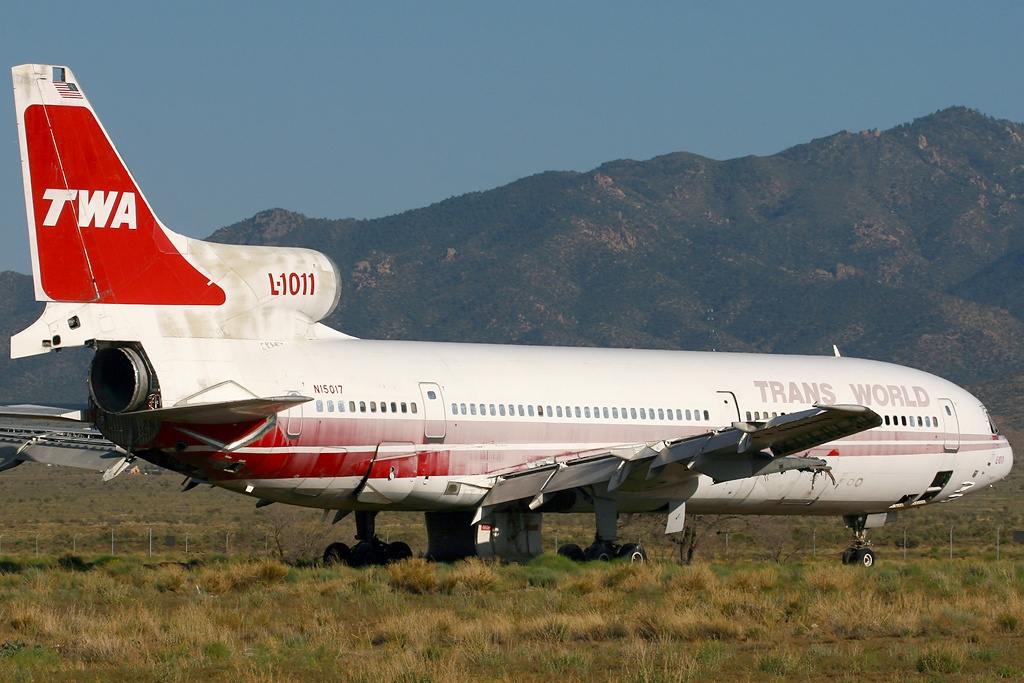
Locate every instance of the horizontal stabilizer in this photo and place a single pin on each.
(226, 412)
(48, 435)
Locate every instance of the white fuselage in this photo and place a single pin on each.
(433, 423)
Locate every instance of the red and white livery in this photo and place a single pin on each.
(211, 360)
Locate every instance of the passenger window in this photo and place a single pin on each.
(373, 406)
(661, 413)
(455, 409)
(394, 406)
(605, 411)
(351, 406)
(643, 414)
(632, 413)
(887, 420)
(501, 409)
(919, 422)
(615, 413)
(948, 412)
(586, 411)
(362, 406)
(492, 409)
(472, 409)
(748, 416)
(529, 409)
(521, 410)
(330, 406)
(935, 421)
(679, 414)
(462, 408)
(383, 407)
(413, 407)
(690, 417)
(927, 421)
(707, 416)
(903, 419)
(405, 408)
(431, 395)
(540, 409)
(669, 412)
(319, 406)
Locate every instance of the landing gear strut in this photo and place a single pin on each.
(605, 546)
(370, 550)
(860, 552)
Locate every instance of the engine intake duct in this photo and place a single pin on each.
(120, 380)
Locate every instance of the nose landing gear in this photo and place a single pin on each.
(860, 552)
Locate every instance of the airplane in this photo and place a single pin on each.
(211, 360)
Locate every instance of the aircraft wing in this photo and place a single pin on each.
(745, 449)
(55, 436)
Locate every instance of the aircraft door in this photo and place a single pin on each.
(433, 412)
(950, 425)
(293, 419)
(730, 408)
(392, 474)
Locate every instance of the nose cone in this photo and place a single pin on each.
(1002, 459)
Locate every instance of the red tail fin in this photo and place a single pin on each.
(94, 237)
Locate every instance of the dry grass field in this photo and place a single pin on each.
(247, 603)
(116, 619)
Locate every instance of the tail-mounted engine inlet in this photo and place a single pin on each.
(121, 380)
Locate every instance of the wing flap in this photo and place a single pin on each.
(746, 449)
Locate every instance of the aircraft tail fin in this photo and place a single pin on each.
(95, 240)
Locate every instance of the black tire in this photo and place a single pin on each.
(398, 551)
(605, 552)
(864, 557)
(572, 551)
(633, 552)
(368, 553)
(848, 555)
(337, 553)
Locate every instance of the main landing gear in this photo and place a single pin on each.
(604, 547)
(860, 552)
(370, 550)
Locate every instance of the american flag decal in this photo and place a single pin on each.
(68, 90)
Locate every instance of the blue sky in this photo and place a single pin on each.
(362, 110)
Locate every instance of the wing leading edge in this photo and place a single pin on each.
(746, 449)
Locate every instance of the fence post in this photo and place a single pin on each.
(111, 541)
(226, 537)
(905, 543)
(951, 541)
(74, 544)
(998, 529)
(186, 544)
(37, 545)
(151, 541)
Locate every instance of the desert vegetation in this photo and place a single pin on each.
(125, 618)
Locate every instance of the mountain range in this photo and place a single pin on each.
(904, 245)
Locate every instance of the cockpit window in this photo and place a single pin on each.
(991, 423)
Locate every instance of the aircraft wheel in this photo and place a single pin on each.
(600, 551)
(864, 557)
(398, 551)
(848, 555)
(337, 553)
(573, 552)
(633, 552)
(368, 553)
